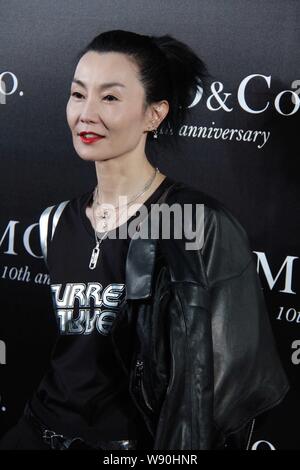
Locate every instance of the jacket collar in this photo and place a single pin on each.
(141, 259)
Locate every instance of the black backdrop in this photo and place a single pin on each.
(239, 145)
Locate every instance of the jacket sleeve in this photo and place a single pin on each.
(225, 368)
(248, 375)
(245, 354)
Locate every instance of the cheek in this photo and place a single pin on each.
(128, 121)
(70, 114)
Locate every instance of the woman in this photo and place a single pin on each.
(159, 346)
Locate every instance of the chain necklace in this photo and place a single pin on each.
(98, 240)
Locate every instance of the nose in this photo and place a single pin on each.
(90, 111)
(88, 120)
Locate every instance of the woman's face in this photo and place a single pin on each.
(115, 112)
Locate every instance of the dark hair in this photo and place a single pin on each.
(168, 69)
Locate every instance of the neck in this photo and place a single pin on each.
(117, 178)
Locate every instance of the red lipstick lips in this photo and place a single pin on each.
(90, 137)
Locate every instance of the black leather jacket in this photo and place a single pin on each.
(199, 351)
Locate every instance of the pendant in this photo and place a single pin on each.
(94, 257)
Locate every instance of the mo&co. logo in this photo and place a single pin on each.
(220, 100)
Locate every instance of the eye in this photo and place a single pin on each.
(114, 98)
(76, 94)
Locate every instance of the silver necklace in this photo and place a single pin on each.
(98, 240)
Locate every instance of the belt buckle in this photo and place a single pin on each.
(49, 437)
(62, 444)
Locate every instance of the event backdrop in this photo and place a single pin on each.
(239, 144)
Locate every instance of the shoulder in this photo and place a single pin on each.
(225, 250)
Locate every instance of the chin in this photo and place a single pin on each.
(87, 158)
(90, 158)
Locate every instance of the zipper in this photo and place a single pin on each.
(139, 373)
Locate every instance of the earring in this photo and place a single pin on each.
(155, 134)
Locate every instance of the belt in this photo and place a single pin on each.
(58, 441)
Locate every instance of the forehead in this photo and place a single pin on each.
(95, 67)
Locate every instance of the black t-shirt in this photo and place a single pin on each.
(85, 392)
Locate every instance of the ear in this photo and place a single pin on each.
(157, 113)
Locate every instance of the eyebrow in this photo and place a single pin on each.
(103, 86)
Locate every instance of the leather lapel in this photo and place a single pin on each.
(141, 259)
